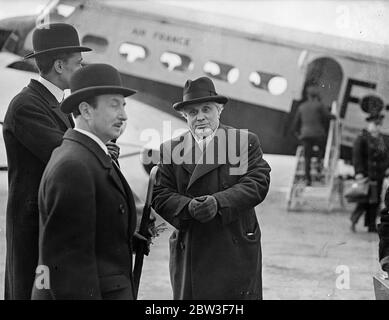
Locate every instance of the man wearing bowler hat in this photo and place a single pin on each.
(212, 177)
(33, 127)
(86, 207)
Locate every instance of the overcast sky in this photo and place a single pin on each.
(363, 20)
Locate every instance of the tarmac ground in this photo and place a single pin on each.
(306, 255)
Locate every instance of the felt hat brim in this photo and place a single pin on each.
(57, 50)
(375, 118)
(72, 101)
(217, 98)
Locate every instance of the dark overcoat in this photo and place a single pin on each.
(370, 156)
(87, 220)
(311, 120)
(383, 232)
(220, 259)
(33, 126)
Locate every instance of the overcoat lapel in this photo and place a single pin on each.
(61, 115)
(51, 101)
(115, 176)
(212, 157)
(190, 153)
(125, 185)
(105, 159)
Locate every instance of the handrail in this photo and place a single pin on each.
(332, 135)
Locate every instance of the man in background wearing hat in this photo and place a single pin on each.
(87, 210)
(33, 127)
(310, 125)
(370, 159)
(209, 197)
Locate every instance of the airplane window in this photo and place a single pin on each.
(273, 83)
(176, 61)
(133, 52)
(65, 10)
(277, 85)
(221, 71)
(97, 44)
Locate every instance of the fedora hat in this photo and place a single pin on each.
(93, 80)
(198, 91)
(375, 117)
(55, 38)
(373, 105)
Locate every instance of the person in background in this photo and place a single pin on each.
(370, 159)
(383, 233)
(310, 125)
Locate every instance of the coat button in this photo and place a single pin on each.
(122, 210)
(234, 240)
(182, 245)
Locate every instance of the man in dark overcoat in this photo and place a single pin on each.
(383, 233)
(310, 126)
(212, 177)
(33, 127)
(370, 160)
(87, 210)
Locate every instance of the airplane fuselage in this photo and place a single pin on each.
(262, 71)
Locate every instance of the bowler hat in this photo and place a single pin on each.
(55, 38)
(93, 80)
(198, 91)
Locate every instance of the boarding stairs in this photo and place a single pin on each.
(325, 193)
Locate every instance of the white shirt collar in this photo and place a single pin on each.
(54, 90)
(206, 140)
(95, 138)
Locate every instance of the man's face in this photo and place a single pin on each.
(107, 120)
(374, 126)
(72, 64)
(202, 118)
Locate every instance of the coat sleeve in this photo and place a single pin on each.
(360, 156)
(296, 125)
(383, 233)
(252, 187)
(69, 233)
(326, 114)
(37, 131)
(167, 201)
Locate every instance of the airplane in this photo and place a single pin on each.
(264, 69)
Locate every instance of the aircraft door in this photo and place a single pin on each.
(327, 74)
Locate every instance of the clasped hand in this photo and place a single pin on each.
(203, 208)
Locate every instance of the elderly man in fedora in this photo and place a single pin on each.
(212, 177)
(33, 127)
(87, 210)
